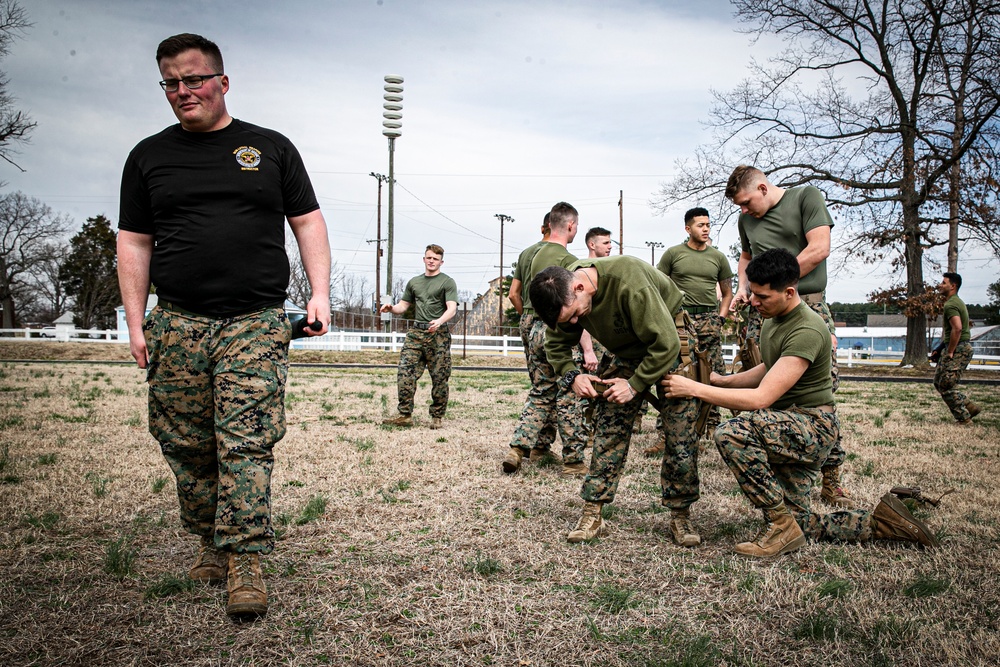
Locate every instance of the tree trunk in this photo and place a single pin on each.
(916, 322)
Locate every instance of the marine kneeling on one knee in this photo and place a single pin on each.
(788, 424)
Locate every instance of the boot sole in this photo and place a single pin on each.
(794, 545)
(601, 532)
(246, 610)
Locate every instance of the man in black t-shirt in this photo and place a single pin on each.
(203, 209)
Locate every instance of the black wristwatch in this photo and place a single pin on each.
(567, 380)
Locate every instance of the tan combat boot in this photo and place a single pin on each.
(682, 530)
(436, 423)
(832, 493)
(578, 469)
(210, 566)
(538, 454)
(590, 525)
(892, 521)
(247, 592)
(781, 535)
(512, 462)
(973, 409)
(399, 420)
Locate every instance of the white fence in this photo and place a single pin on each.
(347, 341)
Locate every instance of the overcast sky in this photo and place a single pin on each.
(509, 106)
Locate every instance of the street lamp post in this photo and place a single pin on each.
(392, 127)
(502, 218)
(653, 245)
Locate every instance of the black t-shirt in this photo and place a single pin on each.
(216, 203)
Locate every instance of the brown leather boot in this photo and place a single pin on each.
(211, 564)
(682, 530)
(832, 493)
(781, 535)
(590, 525)
(973, 409)
(512, 462)
(399, 420)
(578, 469)
(247, 592)
(892, 521)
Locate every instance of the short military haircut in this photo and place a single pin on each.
(775, 267)
(561, 215)
(596, 231)
(551, 289)
(955, 279)
(546, 226)
(173, 46)
(744, 177)
(436, 249)
(697, 212)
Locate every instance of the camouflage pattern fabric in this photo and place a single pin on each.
(679, 467)
(424, 349)
(754, 322)
(708, 332)
(217, 407)
(547, 404)
(776, 456)
(947, 376)
(547, 435)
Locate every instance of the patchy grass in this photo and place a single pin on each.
(409, 547)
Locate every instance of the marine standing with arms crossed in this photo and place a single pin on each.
(428, 342)
(203, 210)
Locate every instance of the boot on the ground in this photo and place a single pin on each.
(590, 525)
(399, 420)
(892, 521)
(211, 564)
(781, 535)
(832, 493)
(512, 462)
(537, 454)
(682, 530)
(247, 592)
(436, 423)
(578, 469)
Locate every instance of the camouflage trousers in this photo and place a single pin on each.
(216, 406)
(708, 330)
(423, 349)
(776, 456)
(548, 405)
(837, 454)
(679, 481)
(947, 376)
(547, 435)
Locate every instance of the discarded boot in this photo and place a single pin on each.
(578, 469)
(512, 463)
(590, 525)
(832, 493)
(399, 420)
(892, 521)
(781, 535)
(682, 530)
(247, 592)
(211, 564)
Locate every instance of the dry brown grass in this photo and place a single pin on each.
(427, 555)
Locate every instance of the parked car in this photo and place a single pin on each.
(48, 332)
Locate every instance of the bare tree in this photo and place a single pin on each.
(28, 228)
(299, 291)
(44, 298)
(15, 125)
(865, 103)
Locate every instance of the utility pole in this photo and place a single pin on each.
(621, 222)
(378, 241)
(653, 245)
(392, 127)
(502, 218)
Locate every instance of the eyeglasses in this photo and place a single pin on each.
(192, 82)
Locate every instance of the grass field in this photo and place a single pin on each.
(409, 547)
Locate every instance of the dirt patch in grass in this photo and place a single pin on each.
(409, 547)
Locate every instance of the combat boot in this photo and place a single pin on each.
(654, 450)
(832, 493)
(973, 409)
(892, 521)
(399, 420)
(247, 592)
(436, 423)
(590, 525)
(578, 469)
(512, 463)
(536, 455)
(682, 530)
(781, 535)
(210, 566)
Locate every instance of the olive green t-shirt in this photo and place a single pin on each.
(632, 315)
(549, 254)
(799, 210)
(430, 295)
(955, 306)
(801, 333)
(696, 272)
(522, 268)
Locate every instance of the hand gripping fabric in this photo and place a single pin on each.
(748, 354)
